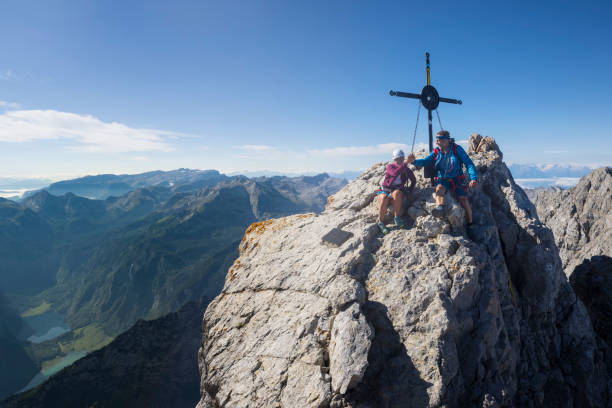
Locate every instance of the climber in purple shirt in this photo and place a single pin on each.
(394, 190)
(448, 159)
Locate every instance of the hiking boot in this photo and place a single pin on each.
(383, 228)
(399, 222)
(438, 211)
(471, 232)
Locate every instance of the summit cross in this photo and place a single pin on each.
(430, 99)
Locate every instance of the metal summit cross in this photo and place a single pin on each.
(430, 99)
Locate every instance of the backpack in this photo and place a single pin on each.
(454, 146)
(382, 181)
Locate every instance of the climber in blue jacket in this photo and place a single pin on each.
(448, 159)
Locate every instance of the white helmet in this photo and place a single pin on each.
(398, 153)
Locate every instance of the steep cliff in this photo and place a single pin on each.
(580, 218)
(323, 311)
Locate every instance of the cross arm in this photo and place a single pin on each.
(448, 100)
(418, 96)
(405, 94)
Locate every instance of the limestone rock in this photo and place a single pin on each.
(350, 342)
(580, 218)
(421, 317)
(477, 144)
(432, 226)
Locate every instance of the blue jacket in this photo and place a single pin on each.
(454, 169)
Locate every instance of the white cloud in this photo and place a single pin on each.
(10, 105)
(7, 75)
(80, 132)
(353, 151)
(257, 148)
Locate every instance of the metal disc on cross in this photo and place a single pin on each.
(430, 98)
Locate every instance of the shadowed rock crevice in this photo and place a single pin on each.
(592, 282)
(391, 379)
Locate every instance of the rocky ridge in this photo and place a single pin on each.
(580, 218)
(532, 193)
(420, 317)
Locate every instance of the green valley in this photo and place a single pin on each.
(104, 264)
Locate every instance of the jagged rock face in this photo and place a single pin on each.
(580, 218)
(421, 317)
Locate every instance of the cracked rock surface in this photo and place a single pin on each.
(420, 317)
(580, 218)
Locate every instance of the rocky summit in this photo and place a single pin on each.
(324, 311)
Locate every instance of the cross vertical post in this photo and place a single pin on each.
(430, 131)
(427, 68)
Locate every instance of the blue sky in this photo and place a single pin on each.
(128, 86)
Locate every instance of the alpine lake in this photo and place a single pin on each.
(53, 344)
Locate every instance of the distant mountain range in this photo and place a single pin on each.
(183, 180)
(347, 174)
(105, 185)
(547, 170)
(104, 264)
